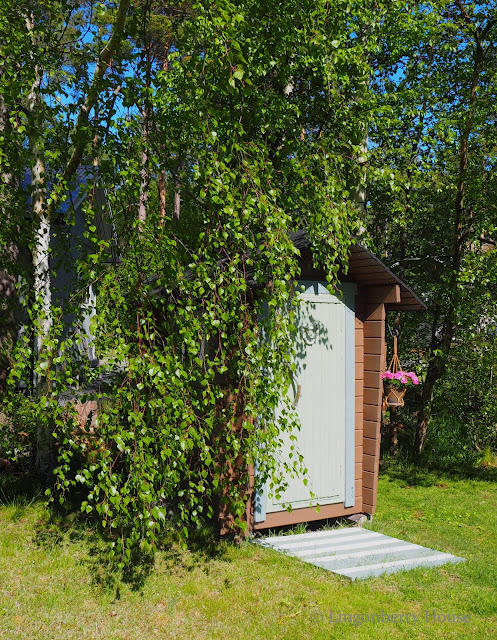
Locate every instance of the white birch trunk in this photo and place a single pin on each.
(41, 249)
(10, 252)
(41, 253)
(41, 275)
(142, 204)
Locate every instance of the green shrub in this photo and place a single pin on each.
(18, 429)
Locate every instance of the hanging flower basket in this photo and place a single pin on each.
(395, 381)
(394, 396)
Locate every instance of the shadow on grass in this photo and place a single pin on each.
(202, 548)
(417, 475)
(69, 526)
(19, 490)
(58, 526)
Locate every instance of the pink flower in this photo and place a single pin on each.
(413, 376)
(404, 377)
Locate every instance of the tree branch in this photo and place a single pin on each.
(490, 25)
(80, 135)
(463, 11)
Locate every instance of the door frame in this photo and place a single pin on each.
(347, 291)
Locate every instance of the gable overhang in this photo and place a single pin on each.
(368, 270)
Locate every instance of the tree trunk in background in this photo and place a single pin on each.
(177, 190)
(10, 252)
(438, 358)
(41, 275)
(162, 177)
(358, 193)
(434, 373)
(162, 197)
(144, 172)
(143, 199)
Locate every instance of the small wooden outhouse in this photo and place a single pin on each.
(341, 354)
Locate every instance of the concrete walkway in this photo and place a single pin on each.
(355, 552)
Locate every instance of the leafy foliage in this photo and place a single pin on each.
(214, 130)
(432, 205)
(241, 123)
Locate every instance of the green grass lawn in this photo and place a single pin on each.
(50, 587)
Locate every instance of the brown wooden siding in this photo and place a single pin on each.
(370, 446)
(374, 363)
(377, 287)
(368, 462)
(308, 514)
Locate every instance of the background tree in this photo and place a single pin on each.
(433, 203)
(50, 48)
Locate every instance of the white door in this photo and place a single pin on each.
(322, 400)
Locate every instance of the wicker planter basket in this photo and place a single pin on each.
(394, 396)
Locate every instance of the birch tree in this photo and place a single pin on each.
(44, 33)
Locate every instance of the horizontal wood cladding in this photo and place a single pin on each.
(359, 371)
(369, 496)
(374, 357)
(358, 490)
(367, 270)
(359, 404)
(373, 345)
(359, 436)
(359, 453)
(372, 413)
(359, 336)
(371, 396)
(369, 500)
(373, 362)
(384, 294)
(376, 286)
(371, 429)
(370, 275)
(309, 514)
(372, 380)
(359, 422)
(374, 329)
(358, 469)
(371, 446)
(374, 312)
(369, 480)
(370, 463)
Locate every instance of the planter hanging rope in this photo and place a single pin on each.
(393, 376)
(394, 396)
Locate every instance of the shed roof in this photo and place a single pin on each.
(366, 269)
(363, 267)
